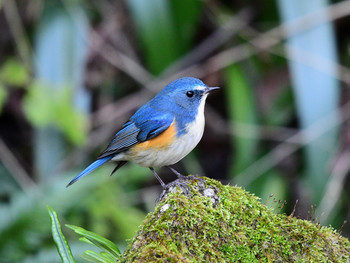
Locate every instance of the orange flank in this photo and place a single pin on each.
(162, 141)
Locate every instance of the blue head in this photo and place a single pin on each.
(184, 97)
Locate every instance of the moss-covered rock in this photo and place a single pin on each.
(208, 222)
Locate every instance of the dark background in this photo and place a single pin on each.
(72, 72)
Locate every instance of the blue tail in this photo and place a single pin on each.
(90, 168)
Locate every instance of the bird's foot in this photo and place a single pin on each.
(193, 177)
(182, 183)
(185, 177)
(171, 187)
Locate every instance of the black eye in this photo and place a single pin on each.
(190, 93)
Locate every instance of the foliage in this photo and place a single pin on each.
(164, 42)
(110, 252)
(13, 73)
(3, 96)
(242, 111)
(61, 242)
(44, 110)
(25, 228)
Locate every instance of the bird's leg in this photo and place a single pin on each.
(179, 176)
(158, 178)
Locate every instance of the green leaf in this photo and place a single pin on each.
(83, 239)
(156, 30)
(3, 96)
(44, 107)
(14, 73)
(61, 242)
(68, 119)
(240, 99)
(108, 256)
(186, 16)
(94, 257)
(97, 240)
(38, 105)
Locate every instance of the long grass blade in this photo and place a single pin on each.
(158, 40)
(97, 240)
(94, 257)
(316, 93)
(241, 104)
(61, 242)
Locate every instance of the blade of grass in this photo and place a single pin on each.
(94, 257)
(242, 110)
(97, 240)
(186, 18)
(61, 242)
(107, 256)
(84, 239)
(156, 31)
(316, 93)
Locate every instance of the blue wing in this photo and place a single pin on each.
(144, 125)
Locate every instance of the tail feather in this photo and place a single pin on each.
(90, 168)
(119, 164)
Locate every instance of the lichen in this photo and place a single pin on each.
(205, 221)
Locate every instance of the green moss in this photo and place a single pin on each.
(210, 222)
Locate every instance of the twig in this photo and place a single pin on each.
(16, 27)
(123, 62)
(114, 57)
(268, 40)
(312, 60)
(234, 25)
(285, 149)
(248, 130)
(17, 171)
(335, 185)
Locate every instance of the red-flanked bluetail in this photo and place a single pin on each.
(161, 132)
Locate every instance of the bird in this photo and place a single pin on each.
(161, 132)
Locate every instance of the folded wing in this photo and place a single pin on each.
(138, 130)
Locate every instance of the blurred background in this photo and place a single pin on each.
(72, 72)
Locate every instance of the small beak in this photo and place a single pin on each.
(209, 89)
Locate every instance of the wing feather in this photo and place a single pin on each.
(138, 129)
